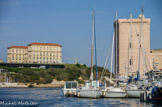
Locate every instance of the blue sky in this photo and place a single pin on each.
(68, 22)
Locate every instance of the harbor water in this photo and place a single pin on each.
(53, 97)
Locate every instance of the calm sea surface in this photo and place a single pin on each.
(53, 97)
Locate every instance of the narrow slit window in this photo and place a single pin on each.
(130, 45)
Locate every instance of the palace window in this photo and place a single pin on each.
(44, 59)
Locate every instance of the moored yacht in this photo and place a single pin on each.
(133, 91)
(114, 92)
(91, 88)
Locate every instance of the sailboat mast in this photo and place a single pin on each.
(140, 40)
(91, 76)
(95, 46)
(116, 71)
(144, 57)
(112, 55)
(131, 46)
(128, 55)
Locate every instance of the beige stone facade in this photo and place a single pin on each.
(128, 52)
(44, 53)
(1, 61)
(156, 55)
(35, 53)
(17, 54)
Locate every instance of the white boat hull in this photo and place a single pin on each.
(89, 93)
(112, 94)
(134, 93)
(70, 92)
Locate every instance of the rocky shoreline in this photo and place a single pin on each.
(53, 84)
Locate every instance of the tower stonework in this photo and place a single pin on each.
(127, 51)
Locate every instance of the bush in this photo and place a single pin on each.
(69, 73)
(78, 65)
(48, 79)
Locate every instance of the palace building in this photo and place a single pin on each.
(1, 61)
(49, 53)
(129, 34)
(17, 54)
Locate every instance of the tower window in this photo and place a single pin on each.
(131, 61)
(130, 45)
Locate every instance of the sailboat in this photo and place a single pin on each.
(91, 88)
(133, 90)
(113, 91)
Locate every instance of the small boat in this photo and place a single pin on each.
(90, 90)
(89, 93)
(133, 91)
(154, 90)
(156, 94)
(113, 92)
(153, 94)
(70, 88)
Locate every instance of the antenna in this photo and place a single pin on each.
(143, 4)
(142, 11)
(94, 4)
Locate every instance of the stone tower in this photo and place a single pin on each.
(128, 52)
